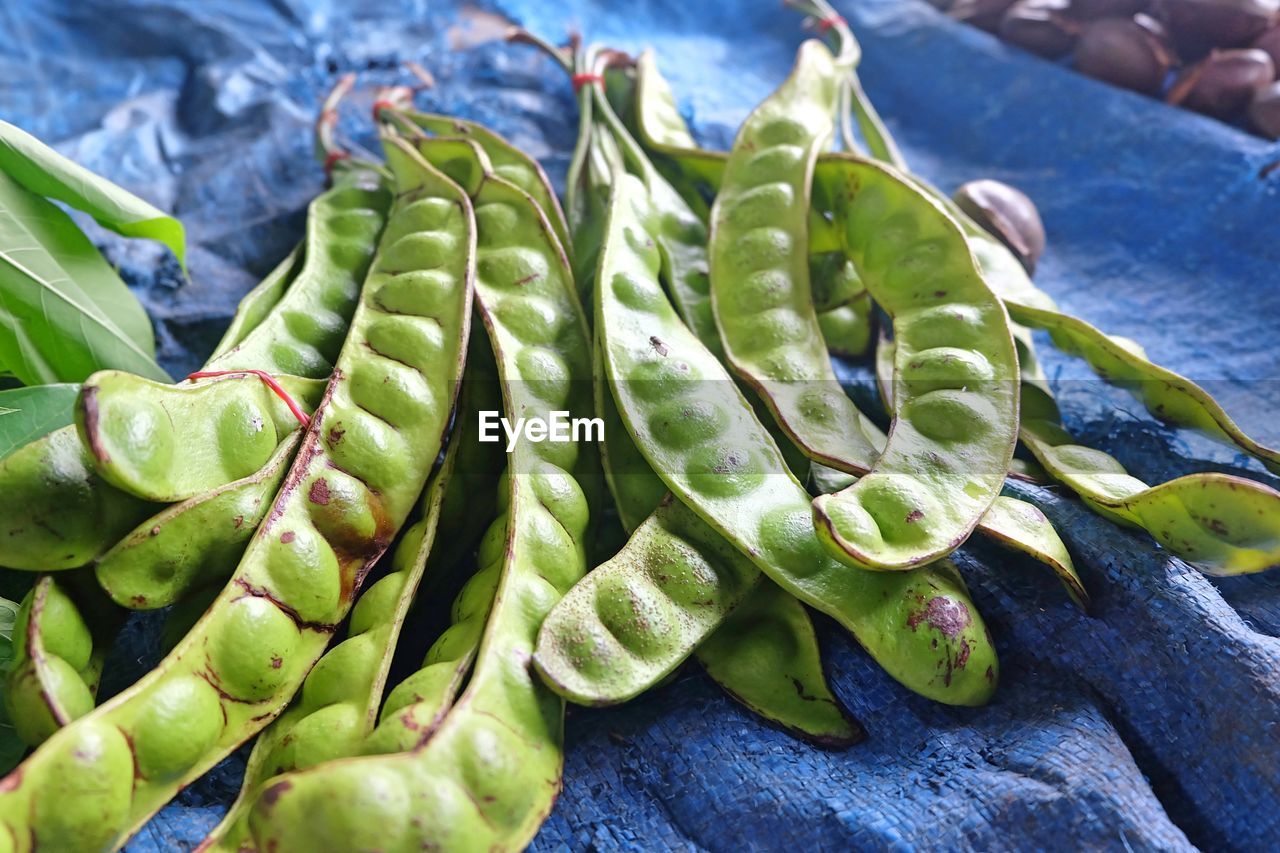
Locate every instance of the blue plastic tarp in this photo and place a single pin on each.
(1151, 723)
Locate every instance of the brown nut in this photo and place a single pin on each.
(1006, 213)
(1270, 42)
(1264, 111)
(1130, 52)
(1223, 83)
(1040, 26)
(1198, 26)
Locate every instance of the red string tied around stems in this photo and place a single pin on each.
(269, 381)
(580, 80)
(332, 159)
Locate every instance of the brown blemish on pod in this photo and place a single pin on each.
(89, 407)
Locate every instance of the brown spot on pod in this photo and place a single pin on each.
(943, 614)
(155, 531)
(238, 521)
(273, 792)
(287, 537)
(89, 409)
(914, 516)
(335, 435)
(319, 493)
(276, 661)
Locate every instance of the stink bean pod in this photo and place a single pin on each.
(338, 703)
(638, 491)
(58, 513)
(256, 305)
(699, 434)
(55, 511)
(507, 161)
(192, 544)
(60, 640)
(362, 464)
(760, 289)
(1008, 521)
(1168, 396)
(1223, 525)
(766, 656)
(170, 443)
(304, 330)
(487, 776)
(956, 371)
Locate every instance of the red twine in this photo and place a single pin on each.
(827, 23)
(383, 104)
(580, 80)
(331, 159)
(268, 380)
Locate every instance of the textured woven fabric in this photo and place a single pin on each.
(1152, 723)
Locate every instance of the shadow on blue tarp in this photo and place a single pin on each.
(1152, 723)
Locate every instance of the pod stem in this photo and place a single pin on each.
(333, 154)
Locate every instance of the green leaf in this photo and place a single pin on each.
(85, 265)
(47, 173)
(50, 329)
(11, 747)
(28, 413)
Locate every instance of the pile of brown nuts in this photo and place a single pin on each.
(1217, 57)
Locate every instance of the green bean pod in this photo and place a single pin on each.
(256, 305)
(1221, 524)
(847, 328)
(1008, 521)
(169, 443)
(60, 641)
(56, 513)
(700, 436)
(192, 544)
(956, 369)
(487, 776)
(638, 492)
(362, 464)
(338, 703)
(304, 330)
(1169, 397)
(506, 160)
(634, 619)
(766, 656)
(759, 249)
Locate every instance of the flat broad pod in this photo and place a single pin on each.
(338, 703)
(1171, 398)
(759, 255)
(303, 332)
(955, 372)
(371, 443)
(56, 513)
(1221, 524)
(169, 443)
(638, 492)
(701, 437)
(60, 641)
(488, 774)
(192, 544)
